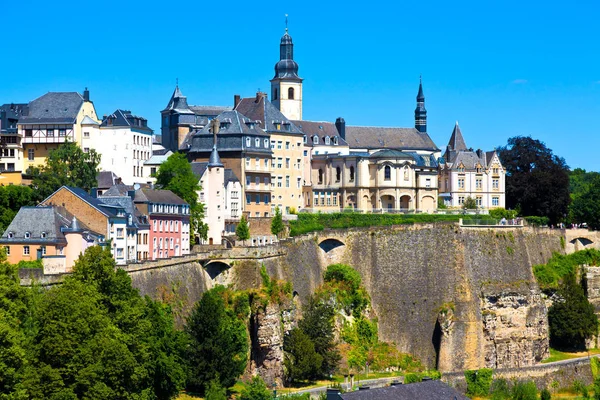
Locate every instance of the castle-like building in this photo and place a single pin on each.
(282, 160)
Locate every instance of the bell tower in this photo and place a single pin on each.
(286, 86)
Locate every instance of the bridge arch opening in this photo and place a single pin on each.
(330, 244)
(584, 241)
(215, 268)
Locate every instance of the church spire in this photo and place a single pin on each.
(420, 111)
(457, 142)
(286, 68)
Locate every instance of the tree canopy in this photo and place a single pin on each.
(67, 165)
(176, 175)
(537, 181)
(585, 196)
(242, 230)
(12, 198)
(277, 223)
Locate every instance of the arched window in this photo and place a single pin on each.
(387, 173)
(257, 142)
(248, 142)
(338, 174)
(320, 176)
(315, 139)
(266, 143)
(291, 93)
(275, 94)
(352, 173)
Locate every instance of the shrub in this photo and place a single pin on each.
(499, 213)
(524, 391)
(537, 221)
(412, 378)
(545, 394)
(499, 390)
(478, 381)
(549, 275)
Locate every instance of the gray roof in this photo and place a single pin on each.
(200, 167)
(157, 196)
(125, 119)
(178, 103)
(92, 201)
(214, 160)
(12, 113)
(119, 189)
(322, 130)
(209, 111)
(54, 107)
(126, 203)
(230, 176)
(50, 220)
(88, 121)
(371, 137)
(158, 159)
(457, 142)
(106, 179)
(429, 390)
(259, 108)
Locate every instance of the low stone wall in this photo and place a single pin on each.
(564, 373)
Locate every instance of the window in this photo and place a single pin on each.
(43, 250)
(334, 199)
(62, 132)
(257, 142)
(478, 201)
(266, 181)
(315, 139)
(172, 243)
(279, 162)
(87, 150)
(495, 170)
(160, 226)
(461, 183)
(272, 144)
(287, 145)
(279, 144)
(247, 162)
(7, 250)
(266, 143)
(428, 182)
(305, 139)
(258, 199)
(119, 253)
(352, 173)
(461, 200)
(287, 181)
(120, 233)
(275, 94)
(320, 176)
(291, 93)
(266, 163)
(387, 173)
(327, 140)
(461, 168)
(279, 179)
(248, 199)
(28, 132)
(298, 183)
(25, 250)
(478, 184)
(11, 235)
(335, 140)
(86, 134)
(30, 154)
(50, 133)
(495, 201)
(248, 178)
(287, 163)
(248, 142)
(160, 243)
(154, 223)
(267, 199)
(495, 183)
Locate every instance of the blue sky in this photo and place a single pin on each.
(501, 68)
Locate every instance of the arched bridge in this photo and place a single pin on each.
(580, 239)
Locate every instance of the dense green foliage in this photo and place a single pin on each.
(317, 222)
(67, 165)
(571, 318)
(549, 275)
(92, 337)
(277, 223)
(12, 198)
(524, 391)
(218, 339)
(301, 361)
(478, 381)
(176, 175)
(256, 390)
(470, 203)
(537, 181)
(499, 213)
(214, 391)
(242, 230)
(545, 394)
(537, 221)
(345, 282)
(586, 204)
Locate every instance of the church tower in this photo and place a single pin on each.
(420, 111)
(286, 86)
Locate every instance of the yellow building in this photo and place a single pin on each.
(51, 120)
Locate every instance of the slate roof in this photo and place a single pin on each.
(51, 220)
(92, 201)
(106, 179)
(54, 107)
(457, 142)
(198, 168)
(429, 390)
(119, 189)
(371, 137)
(158, 159)
(88, 121)
(178, 103)
(259, 108)
(12, 114)
(214, 160)
(124, 118)
(157, 196)
(126, 203)
(209, 111)
(321, 129)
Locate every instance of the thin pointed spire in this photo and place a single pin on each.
(457, 142)
(420, 111)
(286, 23)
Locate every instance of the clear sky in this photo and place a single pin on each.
(501, 68)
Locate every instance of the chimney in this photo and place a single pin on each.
(260, 95)
(94, 192)
(340, 125)
(479, 153)
(86, 95)
(236, 100)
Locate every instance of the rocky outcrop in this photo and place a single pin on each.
(515, 326)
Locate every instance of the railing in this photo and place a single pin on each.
(328, 209)
(517, 222)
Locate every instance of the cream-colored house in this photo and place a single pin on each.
(467, 173)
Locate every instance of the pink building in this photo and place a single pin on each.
(169, 220)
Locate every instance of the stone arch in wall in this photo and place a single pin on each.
(330, 244)
(216, 268)
(581, 243)
(405, 202)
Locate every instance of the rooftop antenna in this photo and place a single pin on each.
(286, 23)
(176, 81)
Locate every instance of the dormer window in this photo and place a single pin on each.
(43, 235)
(257, 142)
(327, 141)
(27, 235)
(224, 124)
(11, 235)
(315, 139)
(335, 140)
(305, 139)
(248, 142)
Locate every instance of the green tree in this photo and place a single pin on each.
(470, 203)
(524, 391)
(218, 341)
(545, 394)
(67, 165)
(318, 324)
(256, 390)
(571, 318)
(537, 181)
(301, 361)
(215, 391)
(277, 223)
(12, 198)
(586, 204)
(176, 175)
(242, 230)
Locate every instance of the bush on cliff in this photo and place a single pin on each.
(478, 381)
(571, 318)
(549, 275)
(345, 282)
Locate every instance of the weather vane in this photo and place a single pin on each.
(177, 81)
(286, 23)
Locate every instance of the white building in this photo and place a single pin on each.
(125, 143)
(467, 173)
